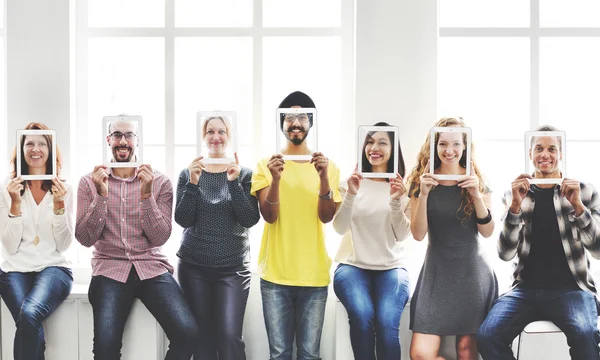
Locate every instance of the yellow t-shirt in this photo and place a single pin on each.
(293, 250)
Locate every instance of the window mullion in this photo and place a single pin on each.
(169, 39)
(257, 77)
(534, 64)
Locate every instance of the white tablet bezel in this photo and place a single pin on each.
(313, 134)
(365, 130)
(562, 163)
(432, 151)
(20, 134)
(232, 136)
(106, 147)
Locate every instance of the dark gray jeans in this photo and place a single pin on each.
(217, 297)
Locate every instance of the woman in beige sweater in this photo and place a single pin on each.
(370, 280)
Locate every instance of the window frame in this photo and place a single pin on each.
(169, 33)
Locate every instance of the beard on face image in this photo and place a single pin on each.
(120, 156)
(296, 138)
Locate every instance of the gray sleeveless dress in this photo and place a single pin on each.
(456, 286)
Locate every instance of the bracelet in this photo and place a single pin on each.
(271, 203)
(485, 220)
(13, 216)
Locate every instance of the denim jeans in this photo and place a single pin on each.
(111, 303)
(293, 310)
(573, 310)
(218, 300)
(31, 297)
(374, 300)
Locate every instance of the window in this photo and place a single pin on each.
(510, 66)
(167, 59)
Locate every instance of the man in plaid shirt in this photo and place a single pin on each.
(125, 213)
(549, 227)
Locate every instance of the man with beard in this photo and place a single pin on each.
(293, 260)
(551, 228)
(125, 213)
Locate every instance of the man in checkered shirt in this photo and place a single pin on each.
(125, 213)
(551, 228)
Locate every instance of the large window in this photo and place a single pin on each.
(167, 59)
(509, 66)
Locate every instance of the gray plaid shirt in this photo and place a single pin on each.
(577, 233)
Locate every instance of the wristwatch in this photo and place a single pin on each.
(327, 196)
(60, 211)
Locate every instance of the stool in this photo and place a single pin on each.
(542, 340)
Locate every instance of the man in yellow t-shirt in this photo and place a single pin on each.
(293, 260)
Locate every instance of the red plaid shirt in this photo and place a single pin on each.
(124, 229)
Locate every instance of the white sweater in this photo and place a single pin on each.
(17, 234)
(373, 227)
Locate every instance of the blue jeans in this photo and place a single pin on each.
(374, 300)
(111, 303)
(218, 300)
(290, 310)
(31, 297)
(573, 310)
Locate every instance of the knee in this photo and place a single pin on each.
(363, 318)
(583, 332)
(466, 352)
(187, 335)
(422, 353)
(486, 334)
(33, 312)
(360, 313)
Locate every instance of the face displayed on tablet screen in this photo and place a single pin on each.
(450, 149)
(123, 138)
(296, 127)
(377, 151)
(36, 158)
(297, 130)
(450, 155)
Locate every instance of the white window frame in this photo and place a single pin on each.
(534, 32)
(169, 33)
(4, 138)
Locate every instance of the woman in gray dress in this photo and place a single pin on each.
(456, 286)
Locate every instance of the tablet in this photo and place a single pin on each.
(377, 155)
(122, 141)
(216, 136)
(299, 126)
(545, 153)
(36, 148)
(450, 140)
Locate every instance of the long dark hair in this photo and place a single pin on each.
(46, 184)
(366, 165)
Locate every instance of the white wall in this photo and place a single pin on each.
(396, 67)
(37, 68)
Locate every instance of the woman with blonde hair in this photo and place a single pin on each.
(456, 286)
(36, 228)
(216, 210)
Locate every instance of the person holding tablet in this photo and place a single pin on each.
(456, 286)
(296, 198)
(216, 210)
(370, 280)
(551, 228)
(36, 228)
(125, 213)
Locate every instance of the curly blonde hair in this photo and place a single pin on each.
(414, 179)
